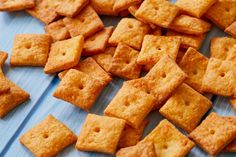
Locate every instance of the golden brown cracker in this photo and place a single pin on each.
(16, 5)
(121, 5)
(233, 103)
(104, 7)
(3, 58)
(232, 146)
(231, 29)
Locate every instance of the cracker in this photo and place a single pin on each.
(124, 62)
(121, 5)
(180, 55)
(130, 104)
(233, 103)
(30, 50)
(104, 59)
(97, 43)
(79, 89)
(223, 48)
(232, 146)
(220, 78)
(71, 8)
(168, 141)
(100, 134)
(194, 64)
(188, 40)
(57, 30)
(214, 133)
(190, 25)
(195, 7)
(11, 95)
(154, 47)
(186, 107)
(140, 150)
(64, 54)
(48, 138)
(16, 5)
(131, 136)
(231, 29)
(104, 7)
(222, 13)
(3, 58)
(86, 23)
(44, 10)
(90, 67)
(159, 12)
(129, 31)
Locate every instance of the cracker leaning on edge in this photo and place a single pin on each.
(16, 5)
(3, 58)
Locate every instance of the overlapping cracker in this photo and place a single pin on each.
(231, 29)
(48, 138)
(232, 146)
(30, 50)
(168, 141)
(214, 133)
(3, 58)
(16, 5)
(129, 31)
(97, 43)
(86, 23)
(64, 54)
(100, 134)
(121, 5)
(104, 7)
(233, 103)
(180, 55)
(124, 62)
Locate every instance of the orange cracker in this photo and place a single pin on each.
(100, 134)
(79, 88)
(104, 7)
(86, 23)
(223, 48)
(57, 30)
(159, 12)
(231, 29)
(97, 43)
(45, 10)
(186, 107)
(90, 67)
(190, 25)
(129, 31)
(131, 136)
(30, 50)
(168, 141)
(124, 62)
(214, 133)
(220, 77)
(16, 5)
(48, 138)
(121, 5)
(222, 13)
(194, 64)
(71, 8)
(233, 103)
(232, 146)
(64, 54)
(195, 7)
(130, 104)
(3, 58)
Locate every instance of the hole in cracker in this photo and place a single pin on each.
(63, 54)
(130, 26)
(227, 9)
(97, 129)
(222, 74)
(163, 75)
(92, 39)
(126, 103)
(158, 48)
(28, 46)
(195, 72)
(226, 49)
(127, 62)
(212, 132)
(81, 86)
(165, 146)
(45, 136)
(82, 20)
(187, 103)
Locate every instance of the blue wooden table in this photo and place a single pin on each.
(41, 86)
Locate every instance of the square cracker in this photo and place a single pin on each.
(140, 150)
(223, 48)
(11, 95)
(97, 43)
(70, 8)
(159, 12)
(186, 107)
(45, 10)
(232, 146)
(130, 104)
(194, 64)
(57, 30)
(195, 7)
(214, 133)
(30, 50)
(86, 23)
(79, 89)
(129, 31)
(233, 103)
(104, 7)
(124, 62)
(168, 141)
(190, 25)
(222, 13)
(154, 47)
(16, 5)
(3, 58)
(121, 5)
(48, 138)
(100, 134)
(104, 59)
(231, 29)
(220, 77)
(131, 136)
(64, 54)
(90, 67)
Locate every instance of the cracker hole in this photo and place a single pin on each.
(227, 9)
(81, 86)
(28, 46)
(130, 26)
(158, 48)
(187, 103)
(126, 103)
(82, 20)
(165, 146)
(226, 49)
(127, 62)
(63, 54)
(45, 136)
(212, 132)
(195, 72)
(222, 74)
(97, 129)
(92, 39)
(163, 75)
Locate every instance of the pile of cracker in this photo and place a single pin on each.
(161, 41)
